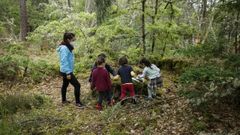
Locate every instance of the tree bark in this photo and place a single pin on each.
(69, 3)
(143, 27)
(204, 18)
(89, 6)
(236, 35)
(153, 22)
(23, 20)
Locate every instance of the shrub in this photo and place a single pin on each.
(41, 69)
(9, 68)
(11, 104)
(8, 128)
(207, 84)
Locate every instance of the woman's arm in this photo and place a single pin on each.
(66, 67)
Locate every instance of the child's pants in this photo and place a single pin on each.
(124, 88)
(153, 85)
(103, 94)
(151, 92)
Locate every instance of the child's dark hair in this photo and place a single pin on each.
(123, 60)
(102, 55)
(145, 62)
(100, 61)
(68, 36)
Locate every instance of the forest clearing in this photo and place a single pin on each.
(161, 67)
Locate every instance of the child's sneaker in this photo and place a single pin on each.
(122, 102)
(80, 105)
(111, 103)
(99, 107)
(149, 98)
(66, 102)
(134, 101)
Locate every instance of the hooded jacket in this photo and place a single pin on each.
(66, 59)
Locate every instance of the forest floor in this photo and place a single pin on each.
(166, 115)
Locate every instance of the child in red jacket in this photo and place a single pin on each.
(101, 82)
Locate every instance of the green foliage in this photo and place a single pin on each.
(198, 125)
(11, 104)
(102, 6)
(132, 54)
(204, 50)
(16, 103)
(52, 32)
(9, 68)
(7, 127)
(9, 14)
(233, 61)
(204, 74)
(41, 70)
(207, 84)
(16, 65)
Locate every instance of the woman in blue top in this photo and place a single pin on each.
(66, 58)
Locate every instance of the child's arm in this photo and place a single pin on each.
(110, 70)
(143, 75)
(116, 77)
(133, 74)
(93, 82)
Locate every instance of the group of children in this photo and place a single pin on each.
(100, 79)
(101, 82)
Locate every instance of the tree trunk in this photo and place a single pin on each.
(153, 22)
(236, 35)
(204, 18)
(69, 3)
(143, 26)
(23, 20)
(89, 6)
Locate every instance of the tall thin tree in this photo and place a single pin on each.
(143, 27)
(69, 3)
(153, 22)
(23, 20)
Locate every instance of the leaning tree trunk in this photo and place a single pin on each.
(23, 20)
(143, 27)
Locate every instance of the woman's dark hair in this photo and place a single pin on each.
(100, 60)
(102, 55)
(68, 36)
(146, 62)
(123, 60)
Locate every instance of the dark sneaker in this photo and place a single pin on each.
(134, 101)
(66, 102)
(80, 105)
(122, 102)
(111, 103)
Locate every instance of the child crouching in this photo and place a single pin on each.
(152, 72)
